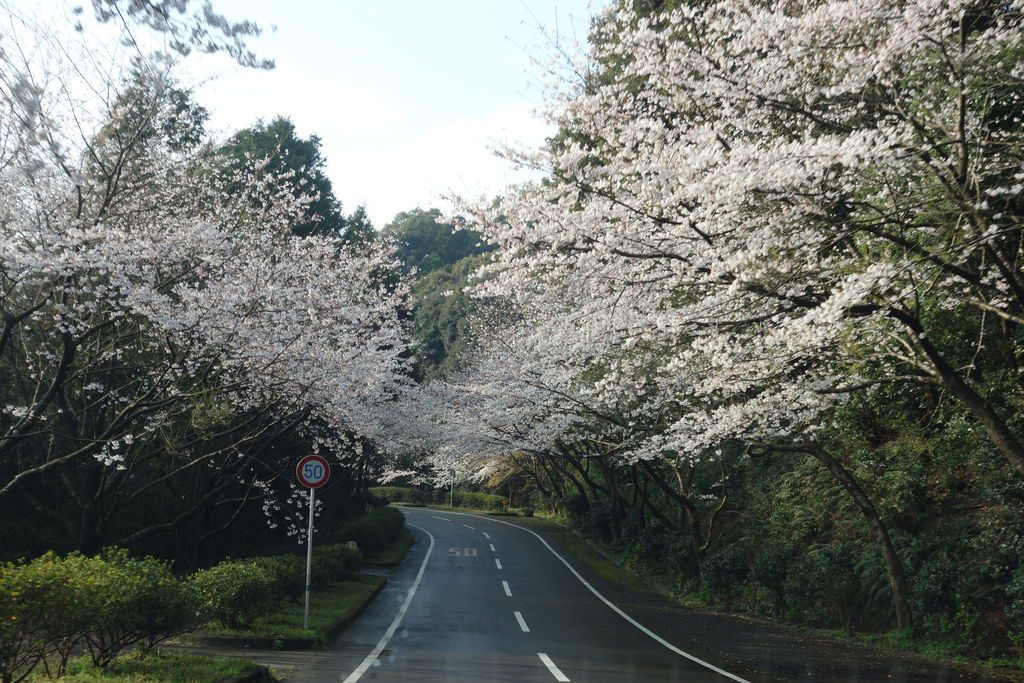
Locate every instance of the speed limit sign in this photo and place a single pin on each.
(313, 471)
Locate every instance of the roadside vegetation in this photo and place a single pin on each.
(162, 667)
(476, 500)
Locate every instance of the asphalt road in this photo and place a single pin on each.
(482, 599)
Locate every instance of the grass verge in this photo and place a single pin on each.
(167, 667)
(393, 554)
(329, 606)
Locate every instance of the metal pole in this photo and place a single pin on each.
(451, 499)
(309, 560)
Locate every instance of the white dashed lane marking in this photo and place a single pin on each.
(522, 622)
(555, 671)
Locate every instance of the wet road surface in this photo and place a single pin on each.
(482, 599)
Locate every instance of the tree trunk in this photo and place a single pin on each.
(893, 567)
(995, 427)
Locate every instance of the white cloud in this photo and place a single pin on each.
(400, 172)
(377, 153)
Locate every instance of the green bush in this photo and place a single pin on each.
(235, 592)
(401, 494)
(53, 605)
(823, 585)
(136, 600)
(769, 570)
(375, 530)
(34, 600)
(725, 572)
(576, 507)
(601, 521)
(479, 501)
(289, 573)
(333, 563)
(680, 555)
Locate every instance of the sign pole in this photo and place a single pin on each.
(313, 471)
(309, 559)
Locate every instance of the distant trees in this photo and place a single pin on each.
(443, 260)
(301, 160)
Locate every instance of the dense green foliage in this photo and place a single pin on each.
(52, 606)
(476, 500)
(278, 142)
(444, 260)
(373, 531)
(426, 242)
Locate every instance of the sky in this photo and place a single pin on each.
(407, 96)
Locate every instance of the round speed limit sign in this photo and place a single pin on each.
(313, 471)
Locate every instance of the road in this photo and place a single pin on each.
(485, 599)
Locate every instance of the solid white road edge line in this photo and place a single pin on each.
(497, 562)
(643, 629)
(522, 622)
(372, 657)
(443, 519)
(555, 671)
(469, 527)
(508, 591)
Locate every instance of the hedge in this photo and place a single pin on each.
(51, 606)
(467, 499)
(375, 530)
(402, 494)
(235, 592)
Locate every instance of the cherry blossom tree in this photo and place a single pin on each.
(757, 210)
(158, 315)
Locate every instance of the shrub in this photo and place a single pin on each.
(601, 520)
(401, 494)
(479, 501)
(235, 592)
(769, 570)
(934, 590)
(333, 562)
(375, 530)
(57, 600)
(823, 584)
(576, 507)
(137, 600)
(1014, 607)
(51, 605)
(28, 594)
(289, 573)
(725, 572)
(653, 543)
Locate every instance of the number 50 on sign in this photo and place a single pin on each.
(313, 471)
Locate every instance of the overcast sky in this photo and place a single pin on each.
(406, 95)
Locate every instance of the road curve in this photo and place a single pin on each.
(485, 599)
(481, 599)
